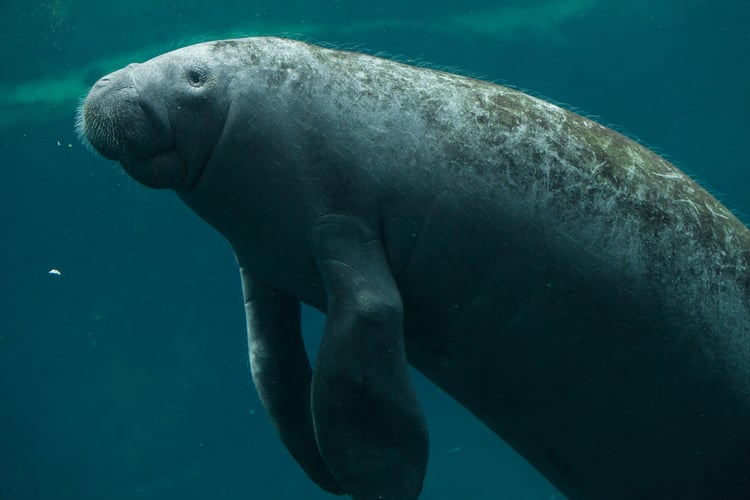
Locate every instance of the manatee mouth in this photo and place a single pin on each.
(121, 125)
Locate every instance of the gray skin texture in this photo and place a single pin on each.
(579, 294)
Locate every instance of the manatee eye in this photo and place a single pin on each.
(196, 76)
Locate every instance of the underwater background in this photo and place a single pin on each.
(126, 375)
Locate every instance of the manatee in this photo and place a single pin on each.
(579, 294)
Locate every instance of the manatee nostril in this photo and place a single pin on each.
(102, 82)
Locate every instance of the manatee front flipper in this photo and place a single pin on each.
(368, 423)
(282, 374)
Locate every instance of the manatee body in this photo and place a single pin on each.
(579, 294)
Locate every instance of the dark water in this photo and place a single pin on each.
(126, 376)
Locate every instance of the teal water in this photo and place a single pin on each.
(126, 375)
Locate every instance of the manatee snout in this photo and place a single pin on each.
(121, 124)
(112, 120)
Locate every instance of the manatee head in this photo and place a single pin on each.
(160, 119)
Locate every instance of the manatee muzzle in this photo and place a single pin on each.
(123, 126)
